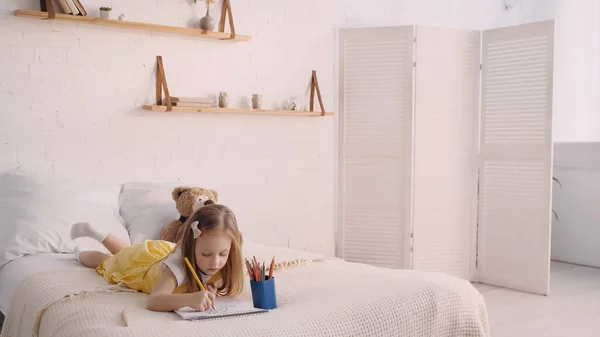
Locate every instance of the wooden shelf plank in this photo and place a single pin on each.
(132, 25)
(163, 108)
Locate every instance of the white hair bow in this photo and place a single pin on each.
(195, 229)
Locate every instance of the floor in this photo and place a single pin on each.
(571, 309)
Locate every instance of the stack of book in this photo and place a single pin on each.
(193, 102)
(73, 7)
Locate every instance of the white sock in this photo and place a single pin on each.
(85, 229)
(77, 251)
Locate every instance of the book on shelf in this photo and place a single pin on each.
(194, 105)
(73, 7)
(192, 100)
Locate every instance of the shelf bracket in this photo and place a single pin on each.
(314, 85)
(226, 11)
(46, 6)
(161, 83)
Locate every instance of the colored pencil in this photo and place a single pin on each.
(250, 273)
(194, 273)
(271, 268)
(196, 277)
(259, 272)
(256, 271)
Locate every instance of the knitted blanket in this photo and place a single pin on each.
(315, 298)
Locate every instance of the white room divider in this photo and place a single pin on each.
(445, 163)
(444, 151)
(515, 197)
(376, 83)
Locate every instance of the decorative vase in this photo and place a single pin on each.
(207, 22)
(256, 101)
(290, 104)
(223, 100)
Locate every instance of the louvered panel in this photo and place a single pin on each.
(516, 157)
(512, 58)
(445, 172)
(375, 92)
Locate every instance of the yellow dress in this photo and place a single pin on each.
(139, 266)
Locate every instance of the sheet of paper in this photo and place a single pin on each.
(224, 306)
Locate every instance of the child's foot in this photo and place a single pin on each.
(83, 229)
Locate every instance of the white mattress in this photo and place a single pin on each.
(19, 269)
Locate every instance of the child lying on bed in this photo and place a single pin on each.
(211, 241)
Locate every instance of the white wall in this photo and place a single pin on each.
(70, 98)
(576, 129)
(577, 70)
(576, 234)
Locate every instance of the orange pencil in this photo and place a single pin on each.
(256, 266)
(271, 268)
(254, 275)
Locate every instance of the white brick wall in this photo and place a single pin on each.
(71, 97)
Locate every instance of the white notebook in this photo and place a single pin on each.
(224, 306)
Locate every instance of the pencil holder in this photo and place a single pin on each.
(263, 294)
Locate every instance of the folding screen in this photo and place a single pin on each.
(445, 162)
(515, 196)
(375, 144)
(437, 169)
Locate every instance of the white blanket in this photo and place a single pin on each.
(318, 298)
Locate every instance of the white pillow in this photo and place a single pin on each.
(38, 209)
(4, 166)
(147, 208)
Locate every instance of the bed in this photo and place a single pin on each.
(19, 269)
(316, 297)
(45, 292)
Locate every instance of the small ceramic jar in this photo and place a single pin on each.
(223, 100)
(256, 101)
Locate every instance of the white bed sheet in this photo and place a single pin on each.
(19, 269)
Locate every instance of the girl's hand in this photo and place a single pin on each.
(202, 300)
(211, 288)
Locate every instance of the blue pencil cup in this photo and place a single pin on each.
(263, 294)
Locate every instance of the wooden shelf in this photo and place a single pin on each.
(160, 106)
(163, 108)
(132, 25)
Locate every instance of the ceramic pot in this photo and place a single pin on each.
(256, 101)
(223, 100)
(105, 14)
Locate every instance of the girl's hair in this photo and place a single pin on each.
(218, 219)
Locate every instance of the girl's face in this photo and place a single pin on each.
(212, 252)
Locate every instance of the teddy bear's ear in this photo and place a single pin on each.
(178, 190)
(216, 194)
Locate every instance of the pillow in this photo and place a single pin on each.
(39, 207)
(4, 166)
(146, 208)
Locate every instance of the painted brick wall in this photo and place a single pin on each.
(71, 97)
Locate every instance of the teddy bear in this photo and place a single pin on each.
(187, 200)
